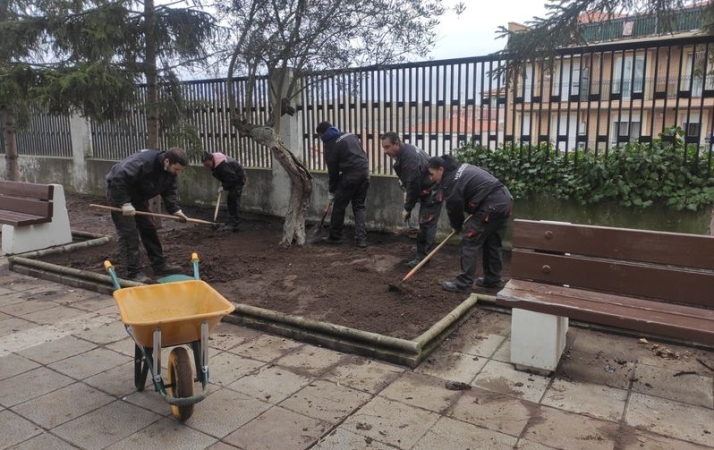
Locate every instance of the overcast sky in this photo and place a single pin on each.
(474, 32)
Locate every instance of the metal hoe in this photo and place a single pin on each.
(398, 287)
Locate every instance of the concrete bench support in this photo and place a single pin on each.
(537, 340)
(39, 236)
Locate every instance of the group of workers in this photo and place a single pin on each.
(478, 205)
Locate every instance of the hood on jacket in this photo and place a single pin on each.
(218, 158)
(330, 134)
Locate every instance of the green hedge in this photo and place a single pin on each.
(636, 175)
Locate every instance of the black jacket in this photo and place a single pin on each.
(141, 177)
(230, 173)
(466, 190)
(344, 157)
(411, 168)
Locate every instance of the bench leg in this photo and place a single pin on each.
(537, 340)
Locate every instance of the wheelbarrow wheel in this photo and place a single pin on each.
(180, 381)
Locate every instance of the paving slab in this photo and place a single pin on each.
(364, 374)
(165, 434)
(31, 384)
(226, 336)
(310, 360)
(494, 411)
(596, 400)
(89, 363)
(118, 382)
(341, 439)
(224, 411)
(57, 350)
(422, 391)
(670, 418)
(452, 366)
(63, 405)
(452, 434)
(271, 384)
(583, 367)
(501, 377)
(391, 422)
(561, 429)
(13, 364)
(105, 426)
(44, 441)
(266, 348)
(16, 429)
(296, 432)
(682, 386)
(110, 332)
(634, 439)
(51, 315)
(225, 368)
(326, 401)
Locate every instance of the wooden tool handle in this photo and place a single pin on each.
(145, 213)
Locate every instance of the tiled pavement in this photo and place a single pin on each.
(66, 381)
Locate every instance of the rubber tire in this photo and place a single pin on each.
(180, 380)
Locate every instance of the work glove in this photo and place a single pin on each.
(220, 189)
(401, 185)
(406, 215)
(180, 216)
(127, 209)
(331, 197)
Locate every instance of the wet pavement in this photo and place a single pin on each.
(66, 381)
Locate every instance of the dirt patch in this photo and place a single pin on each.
(343, 285)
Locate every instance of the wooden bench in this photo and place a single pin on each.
(33, 216)
(651, 282)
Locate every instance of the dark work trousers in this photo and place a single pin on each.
(429, 212)
(233, 202)
(485, 232)
(351, 189)
(130, 229)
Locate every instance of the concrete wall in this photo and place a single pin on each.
(268, 192)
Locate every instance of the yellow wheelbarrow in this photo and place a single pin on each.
(176, 312)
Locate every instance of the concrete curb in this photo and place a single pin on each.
(405, 352)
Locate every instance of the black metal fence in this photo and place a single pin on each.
(590, 98)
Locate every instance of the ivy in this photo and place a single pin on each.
(633, 175)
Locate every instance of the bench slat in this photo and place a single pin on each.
(20, 219)
(690, 324)
(26, 206)
(31, 190)
(657, 282)
(678, 249)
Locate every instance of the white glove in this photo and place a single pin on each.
(406, 215)
(127, 209)
(181, 217)
(331, 196)
(220, 189)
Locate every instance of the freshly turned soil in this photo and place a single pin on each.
(343, 284)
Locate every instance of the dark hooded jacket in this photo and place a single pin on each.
(228, 171)
(410, 166)
(141, 177)
(466, 191)
(344, 157)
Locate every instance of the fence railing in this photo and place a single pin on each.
(593, 97)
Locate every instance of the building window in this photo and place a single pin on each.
(626, 128)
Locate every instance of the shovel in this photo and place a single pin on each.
(215, 225)
(398, 287)
(318, 229)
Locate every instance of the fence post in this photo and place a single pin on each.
(81, 137)
(289, 129)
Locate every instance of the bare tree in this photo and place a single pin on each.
(287, 39)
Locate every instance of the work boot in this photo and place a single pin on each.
(451, 286)
(331, 240)
(361, 243)
(415, 262)
(167, 269)
(233, 227)
(481, 282)
(139, 277)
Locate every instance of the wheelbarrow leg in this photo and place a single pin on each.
(196, 348)
(141, 369)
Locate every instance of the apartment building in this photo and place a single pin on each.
(634, 79)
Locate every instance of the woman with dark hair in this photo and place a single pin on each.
(471, 190)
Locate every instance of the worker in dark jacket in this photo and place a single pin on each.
(131, 183)
(232, 177)
(348, 172)
(471, 190)
(410, 165)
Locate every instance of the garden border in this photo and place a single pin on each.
(405, 352)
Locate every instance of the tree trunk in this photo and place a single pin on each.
(152, 94)
(12, 171)
(300, 181)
